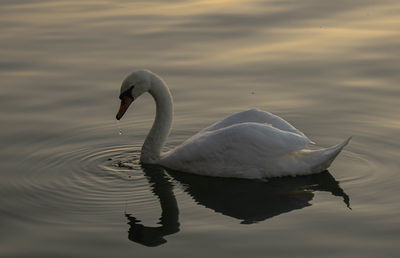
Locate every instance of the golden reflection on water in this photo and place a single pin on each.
(318, 30)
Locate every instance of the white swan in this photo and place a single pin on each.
(248, 144)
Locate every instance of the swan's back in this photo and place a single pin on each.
(256, 116)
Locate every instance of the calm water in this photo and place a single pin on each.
(71, 185)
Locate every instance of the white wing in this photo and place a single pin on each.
(255, 116)
(238, 150)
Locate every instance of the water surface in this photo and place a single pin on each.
(71, 185)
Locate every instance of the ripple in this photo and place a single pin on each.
(87, 180)
(362, 168)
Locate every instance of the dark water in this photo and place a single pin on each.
(71, 186)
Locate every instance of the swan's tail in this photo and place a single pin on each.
(325, 157)
(314, 161)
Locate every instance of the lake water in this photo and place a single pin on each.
(330, 68)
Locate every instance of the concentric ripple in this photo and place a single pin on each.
(79, 181)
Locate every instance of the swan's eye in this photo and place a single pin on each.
(127, 93)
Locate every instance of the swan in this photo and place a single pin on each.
(251, 144)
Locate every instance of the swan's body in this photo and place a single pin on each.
(248, 144)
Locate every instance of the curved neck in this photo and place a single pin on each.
(151, 150)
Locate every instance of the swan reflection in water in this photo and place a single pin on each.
(249, 201)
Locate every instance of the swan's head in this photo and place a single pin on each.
(134, 85)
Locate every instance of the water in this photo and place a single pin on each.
(71, 184)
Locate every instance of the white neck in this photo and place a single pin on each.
(151, 150)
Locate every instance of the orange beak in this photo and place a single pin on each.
(125, 102)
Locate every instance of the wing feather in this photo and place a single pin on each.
(243, 144)
(255, 116)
